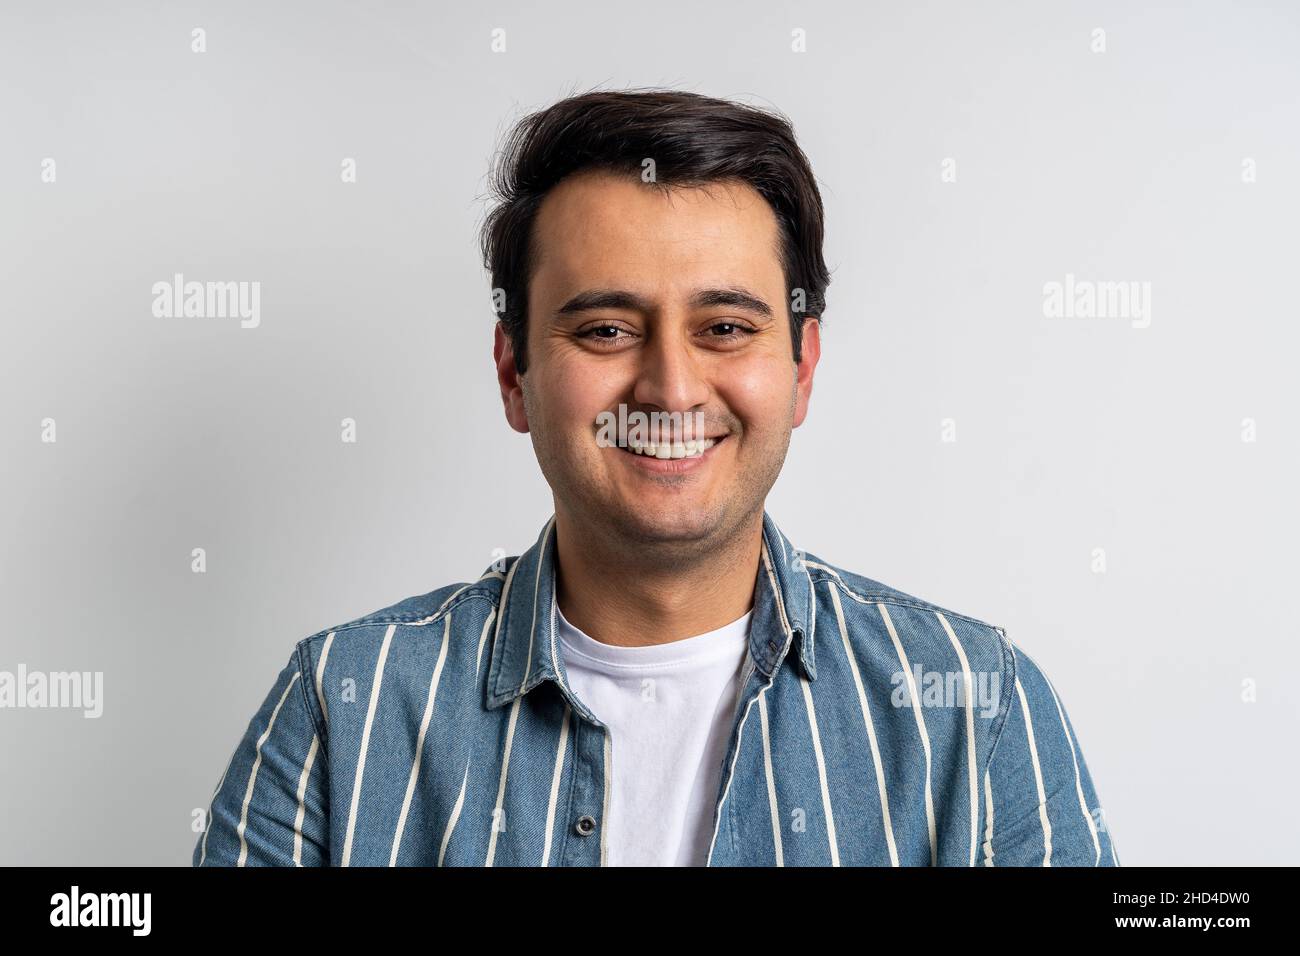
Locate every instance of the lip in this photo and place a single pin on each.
(671, 466)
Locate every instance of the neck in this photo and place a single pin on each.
(631, 594)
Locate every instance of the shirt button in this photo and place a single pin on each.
(585, 825)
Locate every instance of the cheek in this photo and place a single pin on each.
(759, 391)
(577, 393)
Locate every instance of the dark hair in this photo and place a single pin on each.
(693, 140)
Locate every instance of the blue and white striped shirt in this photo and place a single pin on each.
(872, 728)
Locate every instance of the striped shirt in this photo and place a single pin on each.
(872, 729)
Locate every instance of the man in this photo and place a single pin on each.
(663, 678)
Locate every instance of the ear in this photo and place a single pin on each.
(812, 351)
(511, 382)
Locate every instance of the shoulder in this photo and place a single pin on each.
(873, 611)
(359, 634)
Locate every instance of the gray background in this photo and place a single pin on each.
(1071, 434)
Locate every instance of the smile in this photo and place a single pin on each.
(668, 451)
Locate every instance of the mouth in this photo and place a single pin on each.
(671, 459)
(672, 451)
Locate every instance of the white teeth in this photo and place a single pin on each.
(666, 450)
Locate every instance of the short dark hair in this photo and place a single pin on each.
(693, 140)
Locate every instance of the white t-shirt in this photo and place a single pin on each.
(669, 709)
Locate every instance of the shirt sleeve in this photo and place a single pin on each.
(1040, 806)
(270, 805)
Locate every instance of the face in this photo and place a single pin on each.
(663, 302)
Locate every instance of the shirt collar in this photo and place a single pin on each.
(525, 645)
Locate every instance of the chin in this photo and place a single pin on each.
(665, 524)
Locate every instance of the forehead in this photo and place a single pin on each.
(597, 228)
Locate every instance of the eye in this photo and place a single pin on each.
(601, 334)
(733, 330)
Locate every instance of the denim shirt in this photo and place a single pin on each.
(872, 729)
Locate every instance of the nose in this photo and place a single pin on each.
(669, 377)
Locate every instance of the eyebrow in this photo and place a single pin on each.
(592, 299)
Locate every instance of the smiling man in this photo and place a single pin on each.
(663, 678)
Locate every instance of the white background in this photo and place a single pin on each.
(1071, 434)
